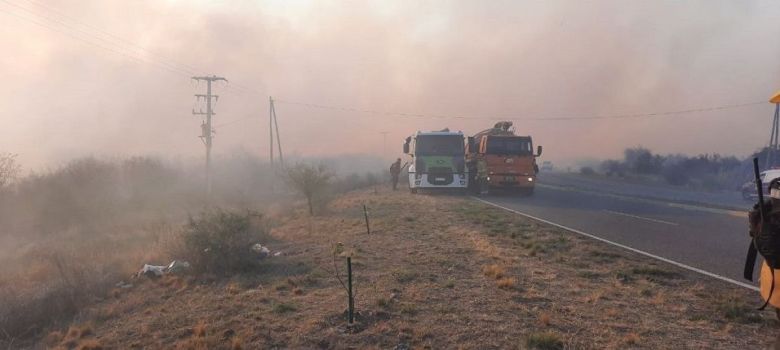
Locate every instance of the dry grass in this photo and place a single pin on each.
(506, 283)
(436, 282)
(544, 341)
(632, 339)
(545, 319)
(494, 271)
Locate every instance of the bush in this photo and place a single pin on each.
(586, 170)
(676, 175)
(221, 242)
(613, 167)
(544, 341)
(708, 171)
(309, 180)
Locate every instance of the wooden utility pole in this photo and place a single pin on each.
(273, 124)
(207, 131)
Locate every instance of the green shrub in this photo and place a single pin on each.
(544, 341)
(586, 170)
(221, 242)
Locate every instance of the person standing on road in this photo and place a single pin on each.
(482, 176)
(395, 171)
(766, 237)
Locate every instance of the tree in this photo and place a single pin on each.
(309, 180)
(9, 169)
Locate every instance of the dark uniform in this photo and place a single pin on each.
(395, 171)
(766, 238)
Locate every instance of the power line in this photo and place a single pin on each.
(82, 39)
(87, 35)
(61, 14)
(521, 117)
(83, 32)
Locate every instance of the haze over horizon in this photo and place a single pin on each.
(68, 94)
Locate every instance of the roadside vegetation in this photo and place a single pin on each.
(704, 171)
(435, 272)
(73, 235)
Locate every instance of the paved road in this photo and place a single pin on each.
(704, 238)
(722, 199)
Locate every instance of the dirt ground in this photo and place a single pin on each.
(435, 272)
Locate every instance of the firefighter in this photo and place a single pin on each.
(482, 176)
(395, 171)
(766, 239)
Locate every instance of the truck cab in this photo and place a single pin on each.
(509, 158)
(438, 160)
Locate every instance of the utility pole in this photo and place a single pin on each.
(206, 130)
(273, 124)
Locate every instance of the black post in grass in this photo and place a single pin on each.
(365, 213)
(351, 299)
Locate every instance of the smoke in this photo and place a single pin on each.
(65, 98)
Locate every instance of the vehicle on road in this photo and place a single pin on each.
(438, 160)
(547, 166)
(748, 189)
(509, 158)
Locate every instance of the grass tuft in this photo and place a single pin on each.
(736, 310)
(283, 308)
(404, 275)
(506, 283)
(544, 341)
(494, 271)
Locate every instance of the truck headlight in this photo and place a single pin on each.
(530, 179)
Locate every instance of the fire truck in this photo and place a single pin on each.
(438, 160)
(509, 159)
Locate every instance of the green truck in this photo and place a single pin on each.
(438, 160)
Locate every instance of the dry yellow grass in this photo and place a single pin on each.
(199, 330)
(632, 339)
(89, 344)
(494, 271)
(428, 282)
(544, 319)
(506, 283)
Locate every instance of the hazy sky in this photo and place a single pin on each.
(101, 77)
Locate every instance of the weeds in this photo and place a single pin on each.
(734, 309)
(221, 242)
(408, 308)
(544, 341)
(506, 283)
(450, 283)
(283, 308)
(655, 272)
(494, 271)
(404, 276)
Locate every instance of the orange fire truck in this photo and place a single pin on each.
(500, 160)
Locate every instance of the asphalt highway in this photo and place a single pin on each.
(712, 240)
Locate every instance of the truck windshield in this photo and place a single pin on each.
(434, 145)
(509, 146)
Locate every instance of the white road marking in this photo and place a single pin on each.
(641, 217)
(675, 263)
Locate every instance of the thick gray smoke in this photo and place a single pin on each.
(64, 97)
